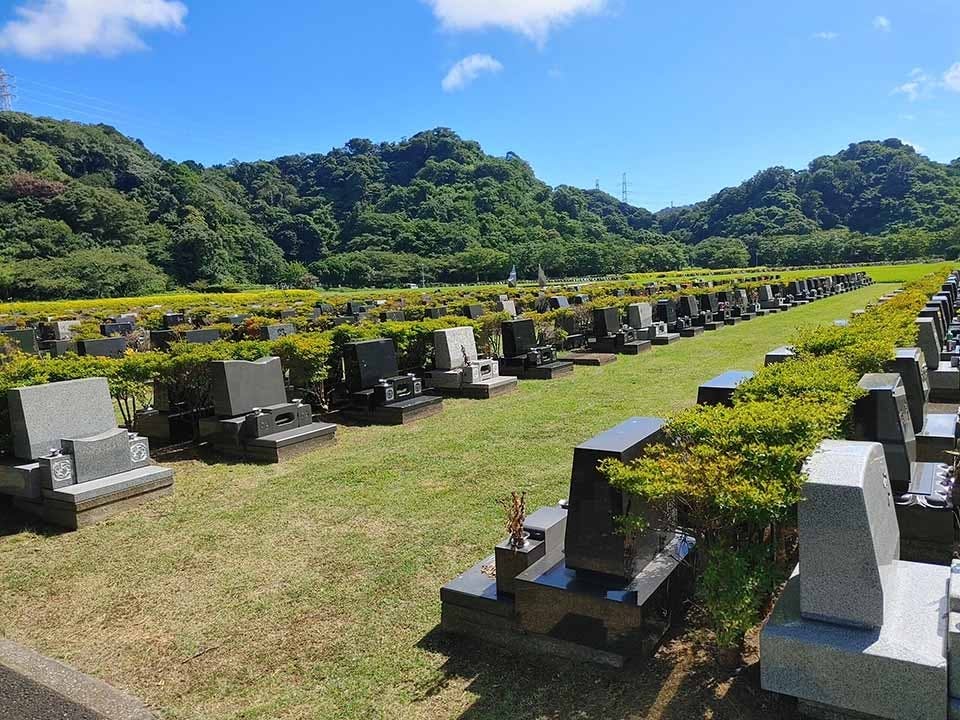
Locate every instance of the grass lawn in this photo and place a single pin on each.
(311, 589)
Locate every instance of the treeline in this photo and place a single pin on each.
(86, 211)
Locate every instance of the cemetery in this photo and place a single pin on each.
(399, 567)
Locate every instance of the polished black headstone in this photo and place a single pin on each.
(519, 336)
(595, 541)
(367, 361)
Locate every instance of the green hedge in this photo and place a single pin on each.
(734, 474)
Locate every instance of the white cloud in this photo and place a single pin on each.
(951, 78)
(46, 28)
(467, 70)
(825, 36)
(914, 145)
(920, 85)
(532, 18)
(882, 23)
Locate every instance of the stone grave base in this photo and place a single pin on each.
(900, 670)
(555, 611)
(20, 479)
(945, 384)
(84, 504)
(732, 320)
(398, 413)
(549, 371)
(713, 325)
(746, 317)
(479, 391)
(666, 339)
(937, 437)
(281, 446)
(691, 331)
(591, 359)
(633, 348)
(165, 428)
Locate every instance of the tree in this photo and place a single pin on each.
(719, 252)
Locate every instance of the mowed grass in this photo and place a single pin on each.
(310, 589)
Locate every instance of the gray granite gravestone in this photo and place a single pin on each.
(73, 465)
(459, 369)
(254, 419)
(239, 386)
(857, 631)
(640, 315)
(454, 347)
(41, 415)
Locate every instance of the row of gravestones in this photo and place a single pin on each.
(375, 390)
(121, 332)
(250, 414)
(869, 629)
(869, 624)
(577, 584)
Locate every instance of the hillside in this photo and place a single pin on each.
(86, 211)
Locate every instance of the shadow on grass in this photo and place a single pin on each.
(14, 521)
(682, 681)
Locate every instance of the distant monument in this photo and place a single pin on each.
(512, 279)
(541, 276)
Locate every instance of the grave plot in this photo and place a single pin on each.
(72, 466)
(460, 371)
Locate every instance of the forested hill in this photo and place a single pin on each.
(85, 210)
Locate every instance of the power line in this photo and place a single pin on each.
(6, 91)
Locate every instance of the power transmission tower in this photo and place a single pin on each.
(598, 184)
(6, 91)
(626, 193)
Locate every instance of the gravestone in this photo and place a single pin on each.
(594, 540)
(524, 358)
(73, 466)
(255, 421)
(779, 355)
(536, 598)
(103, 347)
(558, 302)
(639, 315)
(459, 370)
(171, 320)
(24, 339)
(473, 311)
(857, 632)
(116, 328)
(507, 306)
(719, 390)
(275, 332)
(379, 393)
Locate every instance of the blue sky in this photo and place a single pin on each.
(685, 97)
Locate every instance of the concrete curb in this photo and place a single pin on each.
(37, 687)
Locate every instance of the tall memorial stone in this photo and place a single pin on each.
(378, 392)
(857, 632)
(581, 589)
(922, 491)
(254, 420)
(612, 336)
(525, 358)
(459, 370)
(72, 465)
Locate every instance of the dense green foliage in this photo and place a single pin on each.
(751, 455)
(76, 197)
